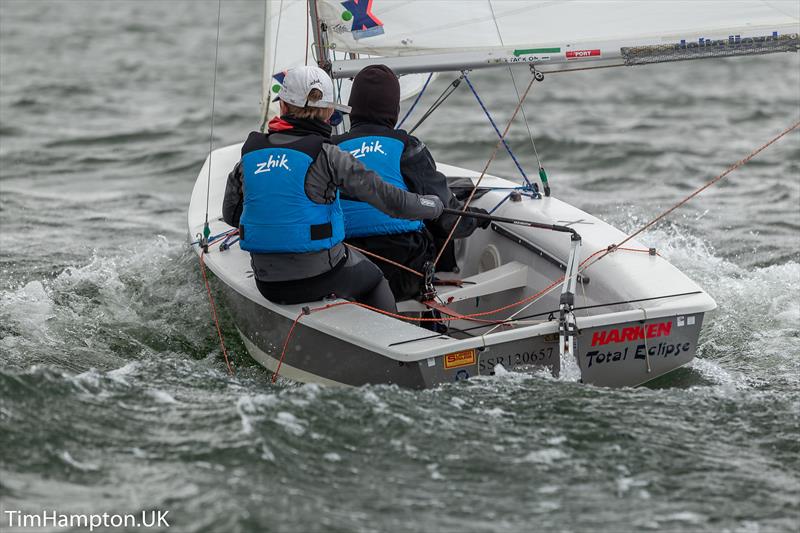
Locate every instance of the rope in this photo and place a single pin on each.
(485, 168)
(589, 261)
(442, 308)
(452, 316)
(214, 238)
(505, 144)
(530, 300)
(285, 345)
(542, 173)
(524, 319)
(525, 119)
(708, 184)
(410, 109)
(507, 196)
(386, 260)
(214, 313)
(307, 311)
(560, 280)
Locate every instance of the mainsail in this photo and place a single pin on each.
(439, 35)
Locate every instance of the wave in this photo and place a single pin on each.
(131, 305)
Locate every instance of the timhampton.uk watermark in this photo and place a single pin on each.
(86, 522)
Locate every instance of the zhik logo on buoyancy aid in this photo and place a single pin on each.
(374, 147)
(382, 155)
(277, 214)
(272, 162)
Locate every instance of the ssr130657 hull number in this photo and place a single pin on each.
(536, 357)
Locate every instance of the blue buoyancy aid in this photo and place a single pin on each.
(381, 154)
(277, 215)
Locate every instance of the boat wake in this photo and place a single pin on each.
(108, 311)
(753, 336)
(117, 308)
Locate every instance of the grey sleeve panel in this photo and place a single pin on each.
(337, 169)
(321, 179)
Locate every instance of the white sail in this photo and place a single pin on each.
(491, 32)
(288, 42)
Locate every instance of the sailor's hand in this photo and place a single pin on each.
(483, 223)
(434, 203)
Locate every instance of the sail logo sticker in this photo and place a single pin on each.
(733, 41)
(375, 147)
(278, 77)
(631, 334)
(272, 162)
(458, 359)
(642, 351)
(579, 54)
(365, 24)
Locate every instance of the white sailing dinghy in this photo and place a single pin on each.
(524, 302)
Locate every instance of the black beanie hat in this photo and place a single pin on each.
(375, 97)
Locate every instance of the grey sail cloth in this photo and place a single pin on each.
(332, 170)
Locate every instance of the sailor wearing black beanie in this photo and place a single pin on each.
(403, 161)
(375, 97)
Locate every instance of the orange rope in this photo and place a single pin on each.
(474, 317)
(384, 259)
(285, 345)
(451, 312)
(214, 313)
(708, 184)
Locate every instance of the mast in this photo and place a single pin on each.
(266, 73)
(320, 38)
(324, 57)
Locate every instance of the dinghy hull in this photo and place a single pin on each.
(637, 316)
(634, 353)
(313, 355)
(615, 355)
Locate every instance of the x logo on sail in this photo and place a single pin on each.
(365, 24)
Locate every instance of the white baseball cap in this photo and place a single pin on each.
(299, 81)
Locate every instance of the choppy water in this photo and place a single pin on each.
(113, 393)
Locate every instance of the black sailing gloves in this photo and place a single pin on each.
(434, 202)
(483, 223)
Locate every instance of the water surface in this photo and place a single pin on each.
(113, 391)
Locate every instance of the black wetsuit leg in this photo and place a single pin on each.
(355, 278)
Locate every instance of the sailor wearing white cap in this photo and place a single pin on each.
(297, 86)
